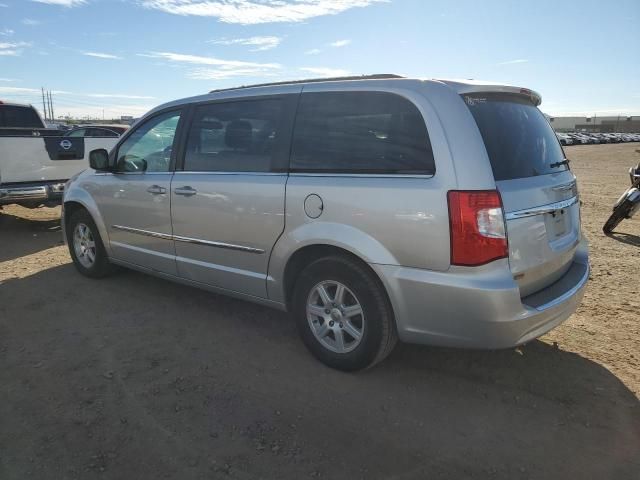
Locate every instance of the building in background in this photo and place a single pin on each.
(607, 124)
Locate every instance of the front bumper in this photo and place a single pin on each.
(31, 193)
(479, 307)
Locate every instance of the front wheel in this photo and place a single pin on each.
(85, 246)
(343, 314)
(619, 214)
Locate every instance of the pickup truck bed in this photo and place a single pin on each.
(36, 163)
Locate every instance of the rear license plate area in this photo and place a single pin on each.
(557, 223)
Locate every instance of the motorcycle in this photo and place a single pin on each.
(628, 204)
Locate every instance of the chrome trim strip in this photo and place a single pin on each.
(209, 243)
(24, 193)
(564, 187)
(549, 208)
(568, 294)
(360, 175)
(195, 241)
(253, 174)
(147, 233)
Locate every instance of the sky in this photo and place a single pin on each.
(124, 57)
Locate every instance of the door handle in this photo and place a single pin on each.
(185, 191)
(156, 189)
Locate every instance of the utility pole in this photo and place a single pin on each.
(53, 117)
(44, 106)
(48, 104)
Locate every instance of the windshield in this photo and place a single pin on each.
(519, 140)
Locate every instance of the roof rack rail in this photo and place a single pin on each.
(377, 76)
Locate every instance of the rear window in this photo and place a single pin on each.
(519, 140)
(360, 132)
(12, 116)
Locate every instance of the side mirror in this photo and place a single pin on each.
(99, 159)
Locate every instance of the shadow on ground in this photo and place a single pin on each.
(135, 377)
(20, 236)
(628, 238)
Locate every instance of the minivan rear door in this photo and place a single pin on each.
(538, 190)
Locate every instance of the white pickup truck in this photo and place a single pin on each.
(35, 161)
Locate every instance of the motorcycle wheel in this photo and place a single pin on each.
(619, 214)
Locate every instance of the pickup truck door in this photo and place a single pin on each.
(134, 199)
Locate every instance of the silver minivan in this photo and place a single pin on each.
(371, 208)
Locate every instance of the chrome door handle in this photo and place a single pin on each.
(185, 191)
(156, 189)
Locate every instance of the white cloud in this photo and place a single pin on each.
(118, 95)
(64, 3)
(223, 69)
(3, 5)
(200, 60)
(8, 79)
(102, 55)
(313, 51)
(6, 32)
(260, 43)
(513, 62)
(30, 22)
(12, 49)
(18, 90)
(224, 74)
(340, 43)
(326, 72)
(251, 12)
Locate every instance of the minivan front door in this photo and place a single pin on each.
(228, 202)
(135, 199)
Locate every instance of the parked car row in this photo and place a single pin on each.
(584, 138)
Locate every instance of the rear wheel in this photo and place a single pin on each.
(343, 314)
(619, 214)
(85, 246)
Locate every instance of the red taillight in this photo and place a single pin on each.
(478, 233)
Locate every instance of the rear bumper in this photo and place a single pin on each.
(31, 193)
(479, 308)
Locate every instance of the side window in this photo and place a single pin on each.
(360, 132)
(149, 147)
(100, 132)
(80, 132)
(233, 136)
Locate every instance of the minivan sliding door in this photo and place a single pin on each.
(227, 203)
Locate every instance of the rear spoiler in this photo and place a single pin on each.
(472, 86)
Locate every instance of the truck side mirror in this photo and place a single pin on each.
(99, 159)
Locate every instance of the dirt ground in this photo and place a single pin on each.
(132, 377)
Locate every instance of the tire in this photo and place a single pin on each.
(88, 253)
(321, 324)
(619, 214)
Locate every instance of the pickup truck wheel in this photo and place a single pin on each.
(85, 246)
(343, 314)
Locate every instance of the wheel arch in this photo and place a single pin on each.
(310, 253)
(78, 200)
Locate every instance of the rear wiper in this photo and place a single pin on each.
(559, 164)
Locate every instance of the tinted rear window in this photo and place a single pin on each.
(519, 140)
(19, 117)
(360, 132)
